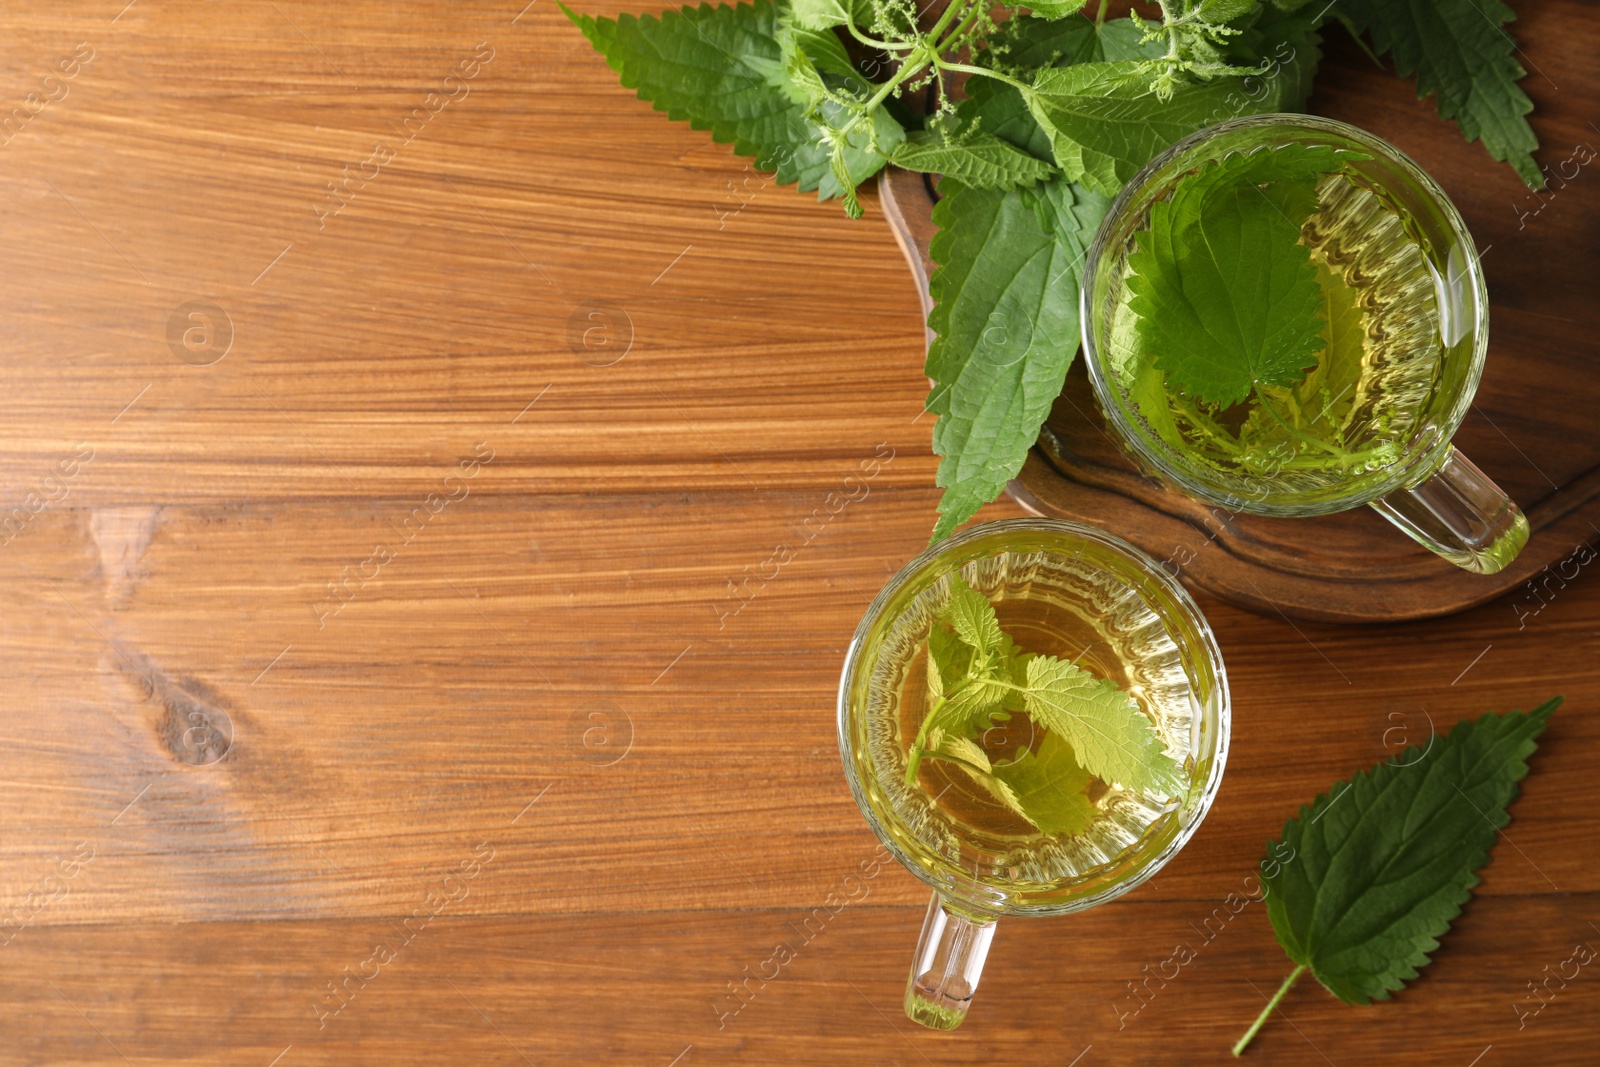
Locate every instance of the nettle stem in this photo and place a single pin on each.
(1332, 450)
(1255, 1027)
(914, 757)
(965, 68)
(929, 51)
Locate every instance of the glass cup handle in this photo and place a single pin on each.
(1460, 514)
(947, 966)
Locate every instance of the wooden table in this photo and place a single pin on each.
(375, 613)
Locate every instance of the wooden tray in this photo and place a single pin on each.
(1535, 423)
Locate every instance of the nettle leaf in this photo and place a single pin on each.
(1035, 43)
(964, 750)
(1048, 787)
(823, 49)
(969, 707)
(722, 69)
(972, 616)
(999, 111)
(1109, 735)
(1006, 319)
(1320, 406)
(1056, 9)
(1104, 121)
(1223, 10)
(949, 659)
(1225, 294)
(980, 160)
(821, 14)
(1462, 54)
(1007, 332)
(1382, 863)
(978, 676)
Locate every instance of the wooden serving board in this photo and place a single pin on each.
(1535, 424)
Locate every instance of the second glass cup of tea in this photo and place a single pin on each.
(1405, 328)
(984, 790)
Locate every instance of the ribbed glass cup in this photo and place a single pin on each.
(1387, 227)
(1055, 585)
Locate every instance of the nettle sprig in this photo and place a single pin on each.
(1057, 111)
(1191, 32)
(1084, 725)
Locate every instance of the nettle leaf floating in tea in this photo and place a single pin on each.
(1111, 737)
(1382, 863)
(1225, 292)
(1088, 726)
(1050, 788)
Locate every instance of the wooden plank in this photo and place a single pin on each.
(353, 366)
(580, 657)
(645, 988)
(384, 726)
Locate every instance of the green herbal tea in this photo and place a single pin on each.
(1280, 320)
(1030, 720)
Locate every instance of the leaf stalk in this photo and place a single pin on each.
(1283, 991)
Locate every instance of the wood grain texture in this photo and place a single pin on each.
(1538, 256)
(566, 666)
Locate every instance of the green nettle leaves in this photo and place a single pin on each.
(823, 14)
(1029, 43)
(981, 160)
(1105, 122)
(1382, 863)
(1090, 728)
(1103, 725)
(1225, 293)
(1462, 55)
(1006, 320)
(722, 69)
(1060, 110)
(1048, 787)
(1056, 9)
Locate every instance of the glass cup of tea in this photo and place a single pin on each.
(1033, 718)
(1387, 266)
